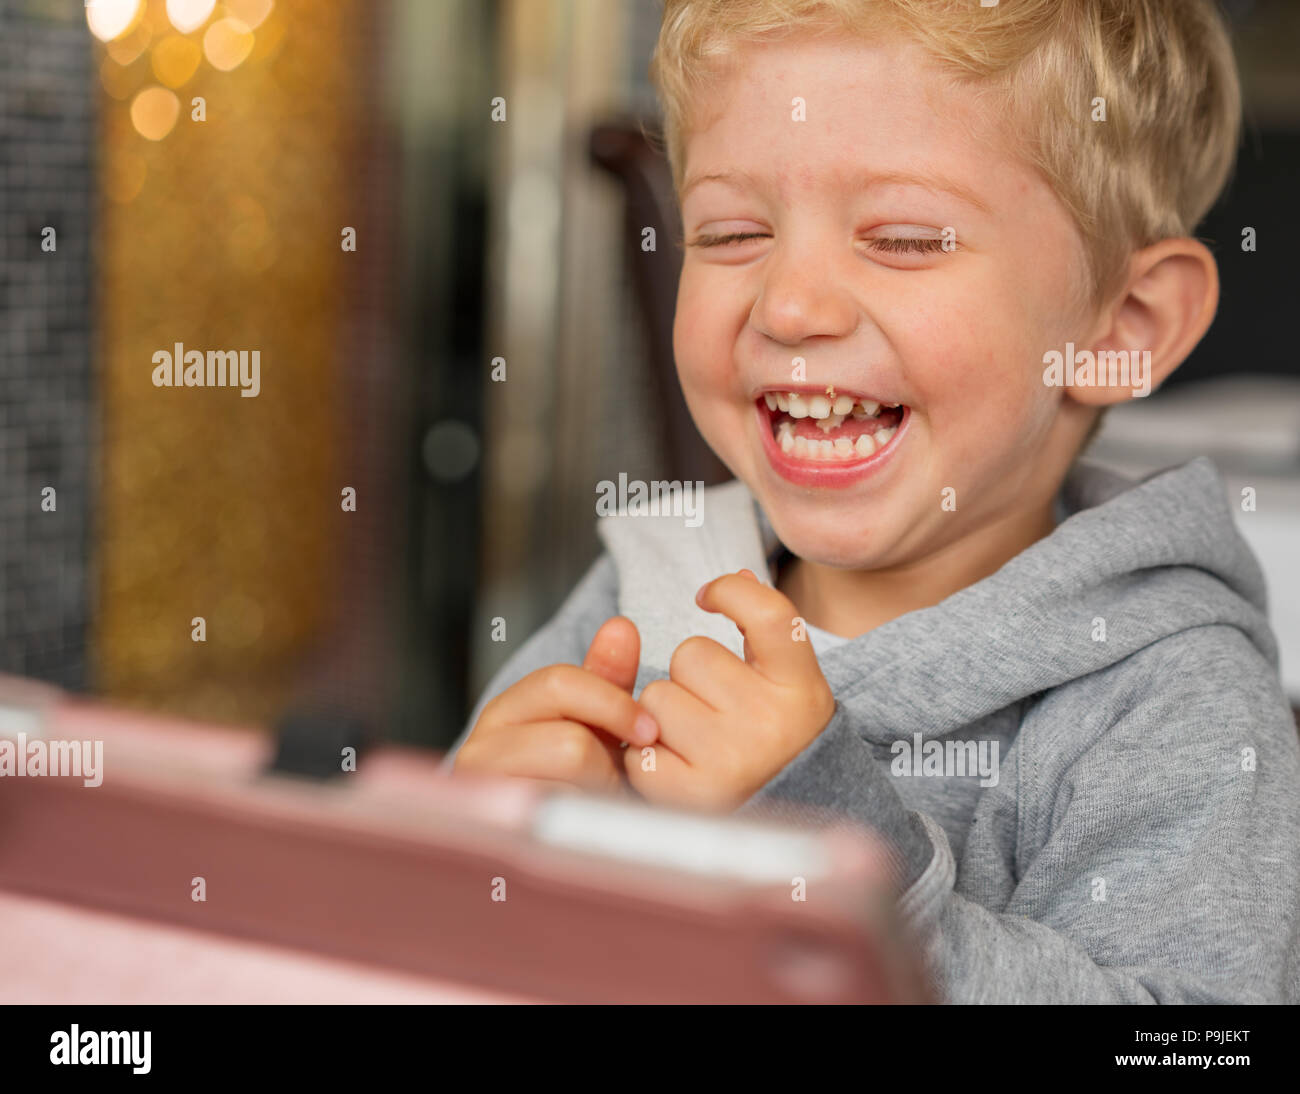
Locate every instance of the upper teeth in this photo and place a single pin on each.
(822, 407)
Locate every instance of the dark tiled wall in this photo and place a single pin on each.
(46, 420)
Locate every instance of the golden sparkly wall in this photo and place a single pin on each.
(221, 234)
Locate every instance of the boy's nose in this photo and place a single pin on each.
(802, 298)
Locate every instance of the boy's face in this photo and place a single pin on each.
(956, 337)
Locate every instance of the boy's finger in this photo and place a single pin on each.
(615, 652)
(566, 691)
(710, 672)
(766, 617)
(663, 778)
(562, 751)
(681, 716)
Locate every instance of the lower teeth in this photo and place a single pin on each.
(840, 449)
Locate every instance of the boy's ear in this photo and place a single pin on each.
(1166, 305)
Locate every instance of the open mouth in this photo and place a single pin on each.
(830, 427)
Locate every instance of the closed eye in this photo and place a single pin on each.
(890, 245)
(723, 240)
(905, 245)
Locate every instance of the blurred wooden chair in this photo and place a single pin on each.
(630, 151)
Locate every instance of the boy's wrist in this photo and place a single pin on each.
(836, 772)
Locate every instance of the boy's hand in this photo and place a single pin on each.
(727, 726)
(563, 723)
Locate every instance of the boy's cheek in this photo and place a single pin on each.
(705, 357)
(973, 373)
(700, 349)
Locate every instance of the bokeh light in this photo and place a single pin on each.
(154, 112)
(120, 82)
(189, 15)
(126, 48)
(451, 450)
(252, 13)
(227, 44)
(175, 60)
(108, 19)
(224, 202)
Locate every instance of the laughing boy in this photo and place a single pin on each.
(900, 217)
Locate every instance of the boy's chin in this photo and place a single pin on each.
(841, 548)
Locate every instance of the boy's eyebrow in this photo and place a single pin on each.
(865, 181)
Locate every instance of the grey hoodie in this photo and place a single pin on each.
(1114, 816)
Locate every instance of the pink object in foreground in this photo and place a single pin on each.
(388, 887)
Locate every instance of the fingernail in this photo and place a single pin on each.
(645, 730)
(700, 592)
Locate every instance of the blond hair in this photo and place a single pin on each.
(1164, 69)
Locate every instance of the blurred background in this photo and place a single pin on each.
(398, 202)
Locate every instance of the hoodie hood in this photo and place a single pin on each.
(1145, 560)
